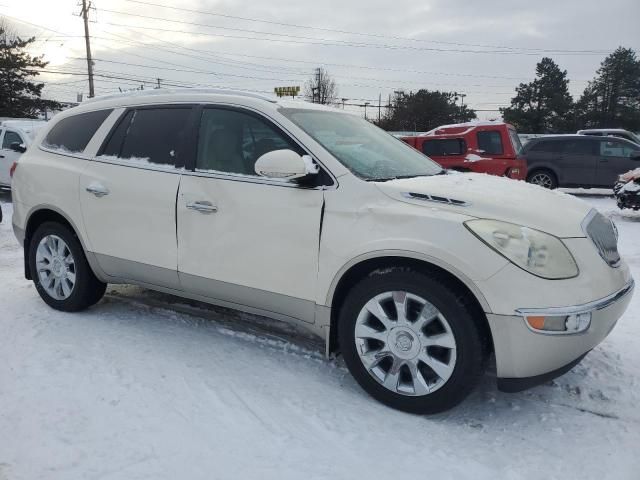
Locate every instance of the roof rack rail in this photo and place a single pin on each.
(165, 91)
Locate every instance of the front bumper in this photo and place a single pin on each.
(525, 358)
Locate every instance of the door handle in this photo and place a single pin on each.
(202, 206)
(97, 189)
(1, 156)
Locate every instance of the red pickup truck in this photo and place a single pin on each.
(482, 147)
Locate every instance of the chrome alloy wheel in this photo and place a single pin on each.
(405, 343)
(542, 179)
(56, 267)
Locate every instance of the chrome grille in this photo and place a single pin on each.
(602, 233)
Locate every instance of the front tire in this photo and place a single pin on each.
(411, 340)
(60, 271)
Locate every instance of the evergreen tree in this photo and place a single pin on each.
(423, 111)
(19, 95)
(543, 105)
(612, 98)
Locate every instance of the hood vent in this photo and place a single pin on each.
(434, 198)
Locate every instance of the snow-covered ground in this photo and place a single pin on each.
(147, 386)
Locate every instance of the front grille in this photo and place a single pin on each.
(602, 233)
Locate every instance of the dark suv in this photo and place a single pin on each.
(579, 160)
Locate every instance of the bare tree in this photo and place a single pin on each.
(321, 87)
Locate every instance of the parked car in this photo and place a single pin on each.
(627, 190)
(611, 132)
(8, 156)
(315, 216)
(482, 147)
(579, 160)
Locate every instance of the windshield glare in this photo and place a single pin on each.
(368, 151)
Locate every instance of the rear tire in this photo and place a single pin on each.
(60, 271)
(544, 178)
(391, 355)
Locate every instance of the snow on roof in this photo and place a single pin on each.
(468, 125)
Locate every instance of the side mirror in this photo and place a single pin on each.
(18, 147)
(285, 164)
(635, 155)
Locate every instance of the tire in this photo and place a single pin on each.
(465, 363)
(85, 291)
(543, 177)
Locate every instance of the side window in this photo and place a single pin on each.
(578, 147)
(546, 146)
(441, 148)
(231, 141)
(614, 148)
(151, 135)
(72, 134)
(490, 142)
(9, 138)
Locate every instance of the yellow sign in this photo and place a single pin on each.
(287, 91)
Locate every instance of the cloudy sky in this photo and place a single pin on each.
(480, 48)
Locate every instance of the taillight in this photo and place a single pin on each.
(12, 170)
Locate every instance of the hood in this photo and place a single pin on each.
(497, 198)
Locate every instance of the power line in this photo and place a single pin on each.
(366, 34)
(319, 41)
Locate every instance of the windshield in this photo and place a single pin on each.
(366, 150)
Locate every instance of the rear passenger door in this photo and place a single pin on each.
(128, 194)
(614, 159)
(579, 161)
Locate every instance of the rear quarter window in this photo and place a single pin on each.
(546, 146)
(444, 147)
(72, 134)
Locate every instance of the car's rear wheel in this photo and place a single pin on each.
(411, 340)
(544, 178)
(60, 271)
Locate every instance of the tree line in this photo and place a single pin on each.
(544, 105)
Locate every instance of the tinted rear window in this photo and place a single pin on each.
(441, 148)
(490, 142)
(552, 146)
(154, 135)
(579, 146)
(72, 134)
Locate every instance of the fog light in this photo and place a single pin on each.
(560, 324)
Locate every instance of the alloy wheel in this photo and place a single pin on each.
(56, 267)
(542, 179)
(405, 343)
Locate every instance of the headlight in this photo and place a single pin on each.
(532, 250)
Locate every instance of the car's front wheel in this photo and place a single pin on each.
(411, 340)
(60, 270)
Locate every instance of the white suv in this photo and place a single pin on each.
(314, 216)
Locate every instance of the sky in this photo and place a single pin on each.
(482, 49)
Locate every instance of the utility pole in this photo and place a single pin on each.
(365, 109)
(158, 83)
(85, 17)
(379, 106)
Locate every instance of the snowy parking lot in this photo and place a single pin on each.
(144, 385)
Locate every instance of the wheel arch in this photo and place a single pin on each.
(365, 265)
(46, 213)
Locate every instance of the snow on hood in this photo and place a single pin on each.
(497, 198)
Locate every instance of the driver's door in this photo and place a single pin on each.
(245, 240)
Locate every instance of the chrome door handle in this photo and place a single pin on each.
(202, 206)
(97, 189)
